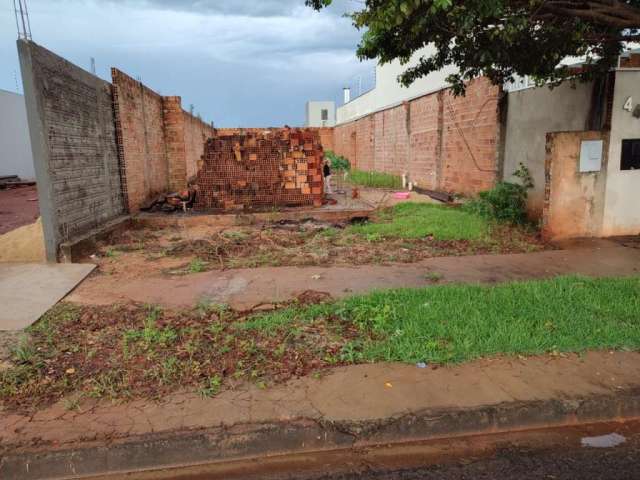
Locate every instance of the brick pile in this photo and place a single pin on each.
(257, 170)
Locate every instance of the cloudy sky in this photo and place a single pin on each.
(240, 62)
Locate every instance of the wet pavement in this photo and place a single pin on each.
(543, 454)
(620, 463)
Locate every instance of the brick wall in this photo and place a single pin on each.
(257, 170)
(75, 152)
(160, 143)
(442, 142)
(139, 112)
(196, 133)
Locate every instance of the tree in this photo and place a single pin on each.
(496, 38)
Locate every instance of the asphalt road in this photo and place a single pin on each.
(545, 454)
(619, 463)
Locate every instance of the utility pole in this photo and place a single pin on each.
(23, 24)
(93, 65)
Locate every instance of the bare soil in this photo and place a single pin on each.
(18, 207)
(180, 251)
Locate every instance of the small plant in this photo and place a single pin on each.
(24, 352)
(506, 202)
(212, 387)
(236, 236)
(112, 253)
(338, 162)
(433, 276)
(196, 266)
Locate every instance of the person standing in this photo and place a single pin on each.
(326, 171)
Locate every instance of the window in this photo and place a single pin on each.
(324, 114)
(630, 154)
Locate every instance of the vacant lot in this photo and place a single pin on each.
(408, 232)
(129, 351)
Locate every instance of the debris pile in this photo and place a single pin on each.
(171, 202)
(258, 170)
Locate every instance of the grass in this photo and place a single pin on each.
(419, 220)
(456, 323)
(136, 351)
(374, 179)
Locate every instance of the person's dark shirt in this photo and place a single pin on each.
(326, 170)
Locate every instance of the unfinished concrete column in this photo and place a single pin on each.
(174, 132)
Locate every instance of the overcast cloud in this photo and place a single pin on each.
(240, 62)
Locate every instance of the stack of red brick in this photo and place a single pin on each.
(253, 171)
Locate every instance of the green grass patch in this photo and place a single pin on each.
(457, 323)
(374, 179)
(418, 220)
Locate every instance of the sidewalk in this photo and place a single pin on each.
(245, 288)
(352, 407)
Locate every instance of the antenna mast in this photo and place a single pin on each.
(23, 23)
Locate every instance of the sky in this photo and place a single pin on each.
(239, 62)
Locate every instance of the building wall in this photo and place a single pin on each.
(533, 112)
(314, 114)
(622, 215)
(388, 92)
(440, 141)
(196, 133)
(15, 147)
(139, 111)
(73, 139)
(161, 144)
(574, 201)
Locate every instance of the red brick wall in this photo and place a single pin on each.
(471, 132)
(442, 142)
(139, 120)
(174, 132)
(196, 133)
(160, 144)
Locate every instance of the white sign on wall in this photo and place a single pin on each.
(591, 155)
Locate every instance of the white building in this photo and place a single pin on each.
(388, 92)
(15, 145)
(320, 114)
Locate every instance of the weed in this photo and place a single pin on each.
(112, 253)
(433, 276)
(24, 351)
(212, 386)
(236, 236)
(196, 266)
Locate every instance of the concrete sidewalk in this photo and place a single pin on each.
(351, 407)
(245, 288)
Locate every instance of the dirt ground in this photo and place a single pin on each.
(18, 207)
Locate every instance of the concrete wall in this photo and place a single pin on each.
(73, 139)
(574, 201)
(443, 142)
(15, 147)
(622, 200)
(533, 112)
(388, 92)
(314, 114)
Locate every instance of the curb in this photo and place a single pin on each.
(246, 441)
